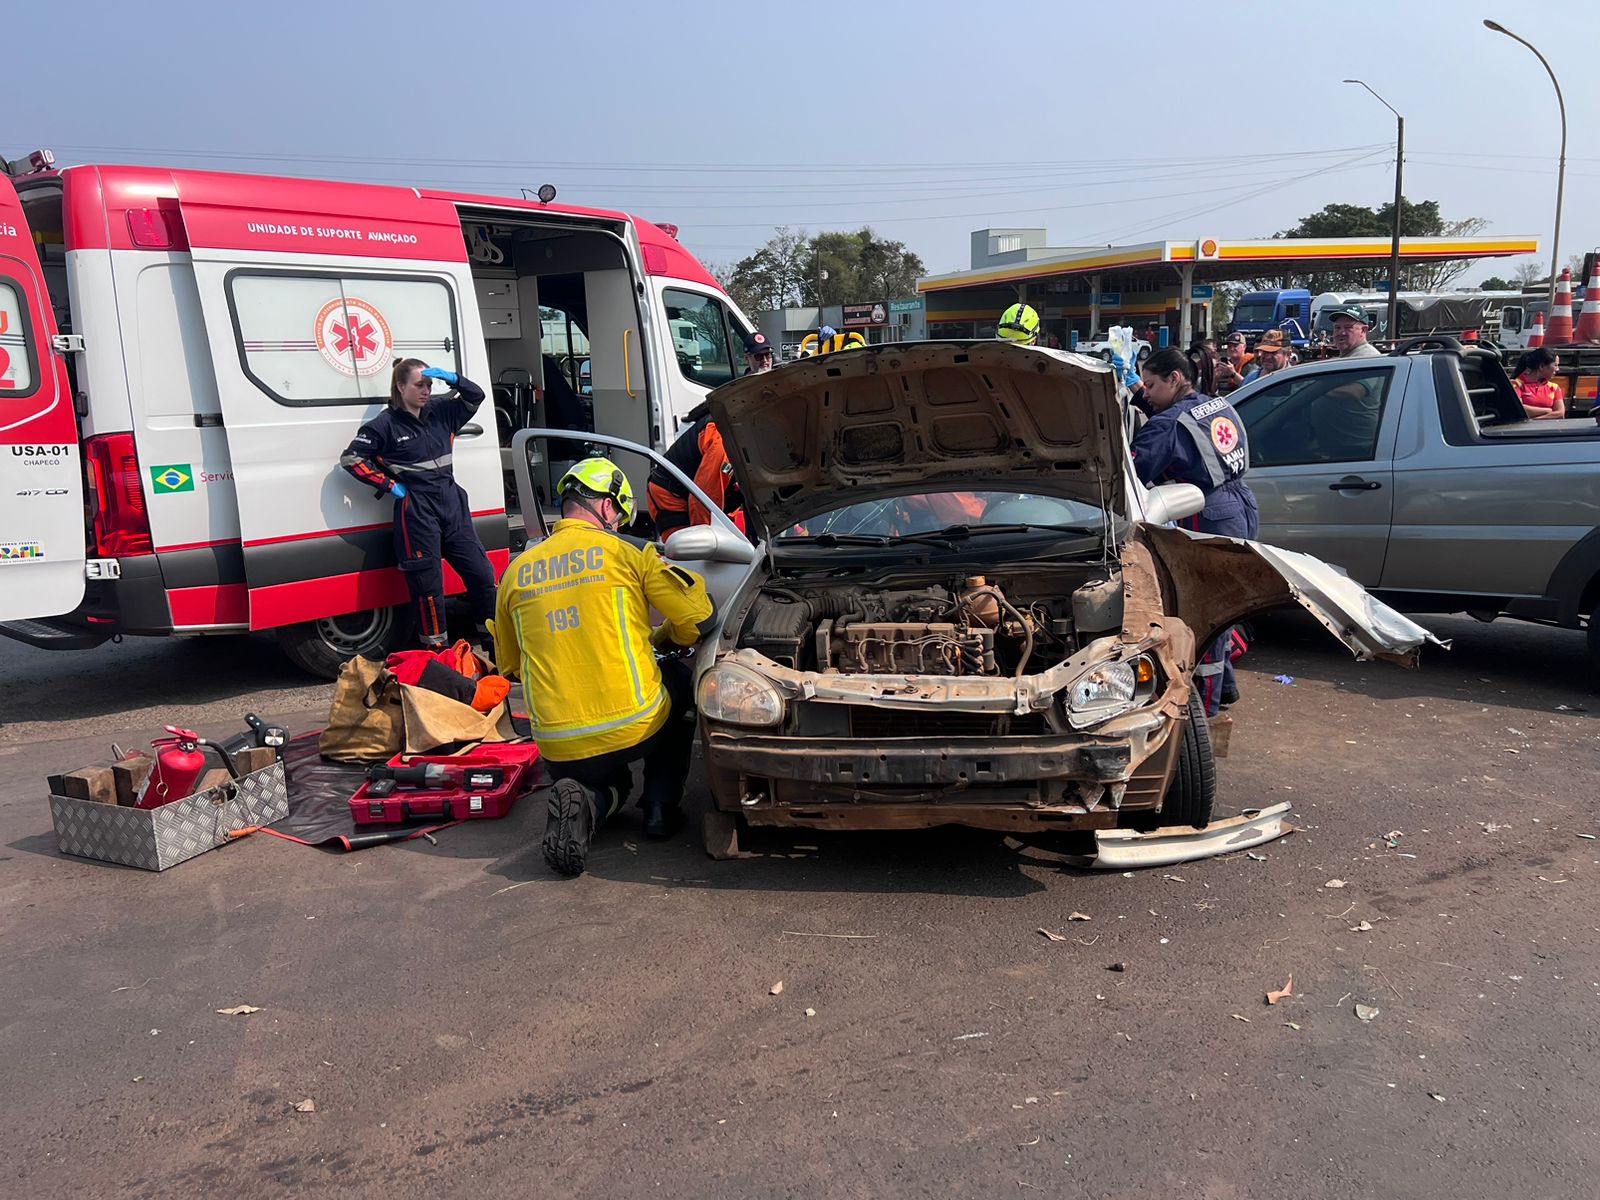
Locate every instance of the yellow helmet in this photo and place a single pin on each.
(600, 477)
(1020, 324)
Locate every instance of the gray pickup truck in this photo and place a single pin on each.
(1419, 474)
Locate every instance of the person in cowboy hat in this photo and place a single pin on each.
(1272, 355)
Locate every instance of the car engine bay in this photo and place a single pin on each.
(968, 625)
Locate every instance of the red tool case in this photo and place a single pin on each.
(514, 762)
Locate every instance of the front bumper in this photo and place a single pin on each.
(1053, 782)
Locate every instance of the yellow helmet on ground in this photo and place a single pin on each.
(599, 478)
(1020, 324)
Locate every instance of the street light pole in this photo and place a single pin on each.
(1561, 171)
(1393, 328)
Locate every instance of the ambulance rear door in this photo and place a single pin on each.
(305, 314)
(42, 539)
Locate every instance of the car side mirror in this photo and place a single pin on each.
(1168, 502)
(712, 543)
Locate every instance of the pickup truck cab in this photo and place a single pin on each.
(1418, 473)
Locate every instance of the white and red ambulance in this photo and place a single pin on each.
(184, 355)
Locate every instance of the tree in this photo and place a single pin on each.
(1530, 273)
(1418, 218)
(860, 266)
(1495, 283)
(772, 276)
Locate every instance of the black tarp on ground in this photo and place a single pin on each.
(319, 803)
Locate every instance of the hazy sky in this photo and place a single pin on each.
(925, 120)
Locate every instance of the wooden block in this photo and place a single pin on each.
(215, 777)
(132, 776)
(1221, 735)
(254, 758)
(55, 784)
(90, 783)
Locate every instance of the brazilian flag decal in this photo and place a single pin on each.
(175, 477)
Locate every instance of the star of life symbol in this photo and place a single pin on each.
(1224, 436)
(353, 337)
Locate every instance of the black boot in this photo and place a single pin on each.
(569, 827)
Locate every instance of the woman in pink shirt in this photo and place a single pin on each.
(1541, 398)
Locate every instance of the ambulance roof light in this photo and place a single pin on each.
(36, 163)
(546, 193)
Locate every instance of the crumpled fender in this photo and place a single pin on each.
(1210, 581)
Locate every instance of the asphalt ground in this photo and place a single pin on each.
(467, 1023)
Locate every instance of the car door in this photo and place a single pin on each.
(718, 552)
(42, 542)
(1321, 455)
(707, 353)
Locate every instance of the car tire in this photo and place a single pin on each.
(322, 647)
(1103, 355)
(719, 833)
(1142, 355)
(1193, 790)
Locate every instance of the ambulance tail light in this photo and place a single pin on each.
(121, 521)
(157, 229)
(670, 230)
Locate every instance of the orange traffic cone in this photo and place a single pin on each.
(1536, 338)
(1559, 331)
(1588, 329)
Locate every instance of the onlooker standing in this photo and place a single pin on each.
(1271, 355)
(1536, 389)
(1350, 325)
(1231, 367)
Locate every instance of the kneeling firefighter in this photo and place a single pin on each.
(406, 452)
(573, 621)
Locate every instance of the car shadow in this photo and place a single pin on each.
(1507, 663)
(943, 861)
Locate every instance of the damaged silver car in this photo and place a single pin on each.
(963, 608)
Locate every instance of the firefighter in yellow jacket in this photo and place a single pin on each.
(573, 621)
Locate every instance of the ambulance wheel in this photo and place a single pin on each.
(322, 647)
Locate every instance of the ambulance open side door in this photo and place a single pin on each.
(303, 351)
(42, 536)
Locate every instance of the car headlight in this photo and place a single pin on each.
(1109, 690)
(737, 695)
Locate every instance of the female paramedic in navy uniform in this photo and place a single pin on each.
(405, 452)
(1192, 438)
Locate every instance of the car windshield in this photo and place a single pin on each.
(952, 514)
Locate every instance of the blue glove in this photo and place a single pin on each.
(398, 490)
(449, 377)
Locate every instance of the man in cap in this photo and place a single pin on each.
(1350, 325)
(1272, 355)
(1235, 360)
(757, 353)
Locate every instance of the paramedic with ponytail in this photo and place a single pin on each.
(1198, 439)
(405, 452)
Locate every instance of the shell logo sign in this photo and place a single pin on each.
(1208, 249)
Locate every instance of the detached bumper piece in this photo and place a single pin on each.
(1126, 849)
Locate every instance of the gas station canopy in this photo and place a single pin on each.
(1146, 280)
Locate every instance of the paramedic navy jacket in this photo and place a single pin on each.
(1200, 440)
(433, 521)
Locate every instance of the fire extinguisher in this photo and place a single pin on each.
(180, 761)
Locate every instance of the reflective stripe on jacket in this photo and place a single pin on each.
(573, 621)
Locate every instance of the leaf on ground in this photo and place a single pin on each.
(1334, 883)
(776, 989)
(1291, 1025)
(1366, 1012)
(1237, 1017)
(307, 1105)
(1078, 916)
(1282, 993)
(238, 1010)
(1437, 1097)
(1364, 927)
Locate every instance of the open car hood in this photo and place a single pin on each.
(861, 425)
(1213, 581)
